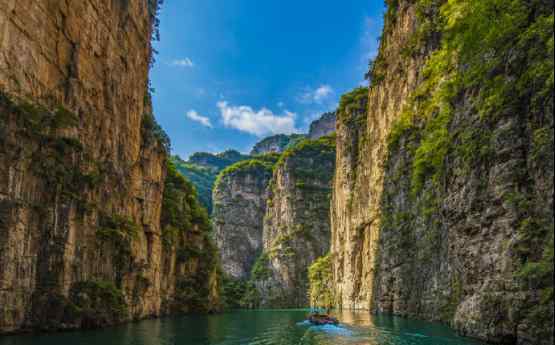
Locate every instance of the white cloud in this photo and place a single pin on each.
(203, 120)
(317, 95)
(186, 62)
(258, 122)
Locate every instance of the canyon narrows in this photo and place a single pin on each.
(427, 194)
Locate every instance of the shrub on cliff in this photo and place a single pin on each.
(259, 165)
(97, 303)
(320, 277)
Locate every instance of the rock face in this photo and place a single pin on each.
(82, 166)
(296, 225)
(442, 203)
(323, 126)
(239, 199)
(275, 144)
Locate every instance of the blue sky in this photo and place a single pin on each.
(230, 72)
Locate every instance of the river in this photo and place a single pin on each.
(265, 327)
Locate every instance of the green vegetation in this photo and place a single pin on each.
(233, 292)
(97, 303)
(494, 62)
(353, 102)
(118, 229)
(217, 161)
(478, 35)
(187, 252)
(259, 166)
(239, 293)
(260, 269)
(186, 229)
(119, 232)
(180, 206)
(151, 133)
(202, 168)
(59, 160)
(201, 177)
(320, 276)
(90, 304)
(319, 151)
(281, 141)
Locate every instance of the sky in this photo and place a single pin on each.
(231, 72)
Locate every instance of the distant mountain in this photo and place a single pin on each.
(203, 167)
(276, 143)
(323, 126)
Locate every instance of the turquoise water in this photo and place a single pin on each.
(257, 328)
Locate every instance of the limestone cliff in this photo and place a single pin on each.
(296, 225)
(275, 144)
(239, 200)
(82, 166)
(323, 126)
(449, 214)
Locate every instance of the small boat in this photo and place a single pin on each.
(322, 319)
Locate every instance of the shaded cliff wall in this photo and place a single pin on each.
(451, 217)
(239, 200)
(82, 165)
(296, 224)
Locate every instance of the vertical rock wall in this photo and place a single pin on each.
(239, 200)
(82, 164)
(442, 205)
(361, 151)
(296, 225)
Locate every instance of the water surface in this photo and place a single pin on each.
(268, 327)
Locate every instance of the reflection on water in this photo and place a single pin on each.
(268, 327)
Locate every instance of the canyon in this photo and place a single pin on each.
(426, 195)
(271, 216)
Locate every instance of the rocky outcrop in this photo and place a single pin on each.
(82, 166)
(323, 126)
(449, 215)
(296, 225)
(239, 198)
(275, 144)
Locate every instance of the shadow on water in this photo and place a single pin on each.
(264, 327)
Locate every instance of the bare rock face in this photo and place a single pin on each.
(82, 165)
(275, 144)
(296, 225)
(361, 151)
(323, 126)
(239, 200)
(447, 214)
